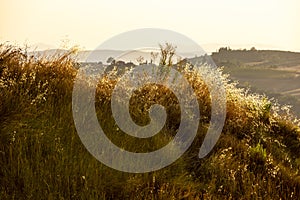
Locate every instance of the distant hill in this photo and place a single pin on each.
(270, 72)
(103, 55)
(261, 58)
(83, 56)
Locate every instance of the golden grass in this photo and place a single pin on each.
(42, 157)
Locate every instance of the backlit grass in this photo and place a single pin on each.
(42, 157)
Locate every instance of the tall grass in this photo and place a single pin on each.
(42, 157)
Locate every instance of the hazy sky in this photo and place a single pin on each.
(88, 23)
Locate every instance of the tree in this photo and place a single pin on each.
(110, 60)
(153, 57)
(140, 59)
(167, 52)
(224, 49)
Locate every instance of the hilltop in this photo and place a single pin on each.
(256, 58)
(41, 155)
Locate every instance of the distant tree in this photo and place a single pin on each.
(167, 52)
(253, 49)
(153, 57)
(120, 63)
(223, 49)
(140, 59)
(110, 60)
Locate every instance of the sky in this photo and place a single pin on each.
(265, 24)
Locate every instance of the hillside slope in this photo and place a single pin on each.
(41, 155)
(274, 73)
(258, 58)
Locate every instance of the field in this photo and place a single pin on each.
(42, 157)
(282, 84)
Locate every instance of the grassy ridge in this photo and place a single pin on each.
(258, 58)
(41, 156)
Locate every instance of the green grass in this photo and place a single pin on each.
(42, 157)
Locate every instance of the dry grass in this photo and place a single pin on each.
(41, 156)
